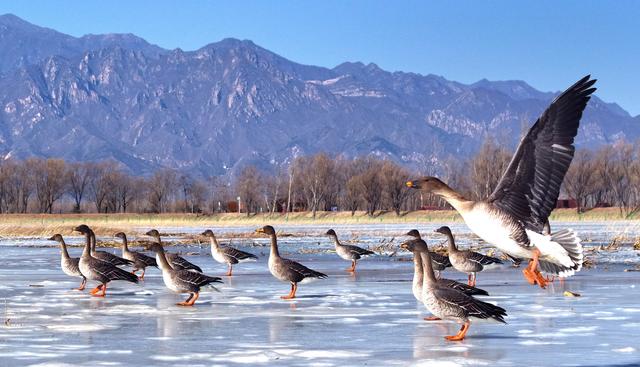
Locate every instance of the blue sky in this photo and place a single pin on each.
(549, 44)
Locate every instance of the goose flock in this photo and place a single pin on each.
(514, 219)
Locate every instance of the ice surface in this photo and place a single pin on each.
(371, 318)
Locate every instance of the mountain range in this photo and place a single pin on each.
(233, 103)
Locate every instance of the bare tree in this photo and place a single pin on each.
(315, 174)
(50, 178)
(160, 188)
(394, 180)
(248, 184)
(579, 180)
(371, 185)
(487, 168)
(79, 177)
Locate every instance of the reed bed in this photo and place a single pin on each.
(104, 224)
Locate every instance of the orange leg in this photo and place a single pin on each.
(230, 270)
(190, 301)
(194, 298)
(353, 267)
(531, 272)
(96, 289)
(292, 294)
(550, 278)
(141, 277)
(82, 285)
(101, 287)
(461, 334)
(471, 279)
(432, 318)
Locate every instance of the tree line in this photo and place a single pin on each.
(608, 176)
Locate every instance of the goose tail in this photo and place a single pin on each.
(570, 255)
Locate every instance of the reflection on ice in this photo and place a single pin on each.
(371, 318)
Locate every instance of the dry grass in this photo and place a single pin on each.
(34, 230)
(106, 224)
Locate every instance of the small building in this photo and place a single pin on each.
(566, 203)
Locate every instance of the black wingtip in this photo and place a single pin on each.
(480, 292)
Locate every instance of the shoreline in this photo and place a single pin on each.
(17, 225)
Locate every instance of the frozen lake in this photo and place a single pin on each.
(368, 319)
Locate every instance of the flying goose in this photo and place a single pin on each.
(348, 252)
(140, 260)
(440, 262)
(226, 255)
(176, 261)
(416, 246)
(468, 261)
(98, 270)
(451, 304)
(513, 216)
(69, 265)
(284, 269)
(180, 280)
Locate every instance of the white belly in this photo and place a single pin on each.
(218, 256)
(417, 289)
(272, 268)
(494, 232)
(167, 281)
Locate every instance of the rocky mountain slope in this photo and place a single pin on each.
(233, 103)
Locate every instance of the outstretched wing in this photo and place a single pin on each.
(529, 188)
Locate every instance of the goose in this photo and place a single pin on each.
(440, 262)
(451, 304)
(176, 261)
(348, 252)
(180, 280)
(98, 270)
(70, 265)
(226, 255)
(106, 256)
(468, 261)
(415, 246)
(513, 216)
(284, 269)
(140, 260)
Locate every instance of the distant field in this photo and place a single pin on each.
(45, 224)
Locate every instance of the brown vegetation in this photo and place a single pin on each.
(319, 183)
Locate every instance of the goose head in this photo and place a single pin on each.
(428, 184)
(208, 233)
(56, 237)
(83, 228)
(443, 230)
(268, 230)
(413, 233)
